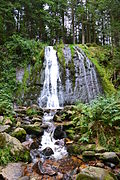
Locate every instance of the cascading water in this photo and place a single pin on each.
(49, 94)
(50, 102)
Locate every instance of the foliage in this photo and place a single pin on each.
(99, 120)
(6, 156)
(6, 106)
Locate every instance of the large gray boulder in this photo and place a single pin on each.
(95, 173)
(13, 171)
(15, 144)
(109, 157)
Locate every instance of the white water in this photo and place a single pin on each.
(49, 92)
(49, 100)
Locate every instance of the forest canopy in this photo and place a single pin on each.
(72, 21)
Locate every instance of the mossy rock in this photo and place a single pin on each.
(95, 173)
(19, 133)
(74, 149)
(34, 129)
(88, 147)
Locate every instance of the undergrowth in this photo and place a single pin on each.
(98, 122)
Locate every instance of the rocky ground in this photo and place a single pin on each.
(84, 162)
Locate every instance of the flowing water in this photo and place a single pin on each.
(50, 102)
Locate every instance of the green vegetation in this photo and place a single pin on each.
(98, 122)
(6, 156)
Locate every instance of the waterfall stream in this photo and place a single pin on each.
(50, 102)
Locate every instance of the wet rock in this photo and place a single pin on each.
(4, 128)
(45, 168)
(34, 145)
(13, 171)
(94, 173)
(44, 126)
(15, 144)
(59, 133)
(34, 129)
(109, 157)
(47, 151)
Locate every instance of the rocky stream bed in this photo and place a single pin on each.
(24, 135)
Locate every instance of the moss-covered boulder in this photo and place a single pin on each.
(19, 133)
(95, 173)
(34, 129)
(12, 142)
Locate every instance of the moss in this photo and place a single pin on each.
(20, 134)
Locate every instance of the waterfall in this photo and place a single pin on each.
(49, 94)
(49, 99)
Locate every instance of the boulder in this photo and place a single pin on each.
(19, 133)
(34, 129)
(4, 128)
(88, 154)
(15, 144)
(59, 133)
(13, 171)
(47, 151)
(109, 157)
(95, 173)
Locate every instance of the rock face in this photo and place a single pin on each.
(95, 173)
(79, 80)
